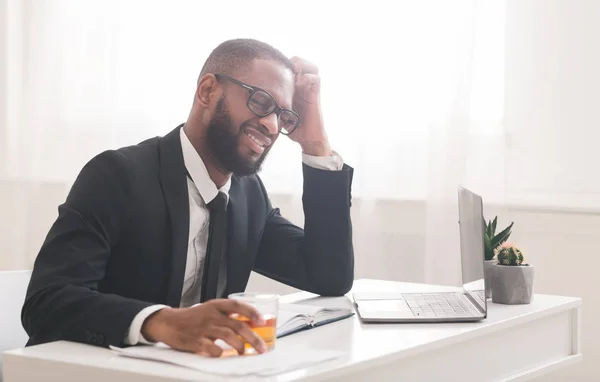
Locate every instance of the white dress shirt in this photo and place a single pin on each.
(202, 190)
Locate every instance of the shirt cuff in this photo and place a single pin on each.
(134, 334)
(330, 163)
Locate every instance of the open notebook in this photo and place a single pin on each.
(298, 316)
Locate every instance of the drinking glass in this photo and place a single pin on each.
(268, 306)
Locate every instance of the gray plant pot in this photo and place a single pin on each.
(513, 284)
(489, 269)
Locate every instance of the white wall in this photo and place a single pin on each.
(552, 100)
(3, 80)
(27, 210)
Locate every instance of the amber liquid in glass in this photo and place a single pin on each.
(267, 331)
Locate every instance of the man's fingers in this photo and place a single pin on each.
(247, 334)
(309, 81)
(301, 66)
(227, 335)
(207, 347)
(228, 307)
(202, 346)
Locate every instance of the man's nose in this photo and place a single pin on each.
(270, 122)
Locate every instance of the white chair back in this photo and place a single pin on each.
(13, 287)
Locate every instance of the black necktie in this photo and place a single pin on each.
(215, 249)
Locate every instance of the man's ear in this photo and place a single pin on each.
(207, 90)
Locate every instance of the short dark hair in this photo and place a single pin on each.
(233, 57)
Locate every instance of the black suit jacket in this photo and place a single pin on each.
(119, 243)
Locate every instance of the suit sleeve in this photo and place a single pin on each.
(320, 257)
(63, 301)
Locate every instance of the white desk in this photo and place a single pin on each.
(515, 343)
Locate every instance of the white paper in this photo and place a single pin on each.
(285, 315)
(274, 362)
(299, 309)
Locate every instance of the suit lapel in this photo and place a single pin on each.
(174, 187)
(237, 267)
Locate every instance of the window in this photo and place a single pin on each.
(103, 74)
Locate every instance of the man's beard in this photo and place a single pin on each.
(223, 141)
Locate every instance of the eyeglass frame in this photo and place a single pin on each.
(253, 89)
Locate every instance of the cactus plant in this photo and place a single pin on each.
(509, 254)
(513, 277)
(491, 240)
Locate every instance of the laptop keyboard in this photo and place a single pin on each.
(481, 296)
(438, 304)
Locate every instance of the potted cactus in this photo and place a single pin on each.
(492, 241)
(513, 277)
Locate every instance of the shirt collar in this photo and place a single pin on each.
(197, 170)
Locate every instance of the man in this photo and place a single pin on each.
(152, 238)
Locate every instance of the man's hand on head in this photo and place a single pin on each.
(311, 133)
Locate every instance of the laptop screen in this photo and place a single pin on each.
(471, 223)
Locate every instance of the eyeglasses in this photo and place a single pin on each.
(261, 103)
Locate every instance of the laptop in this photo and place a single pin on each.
(466, 304)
